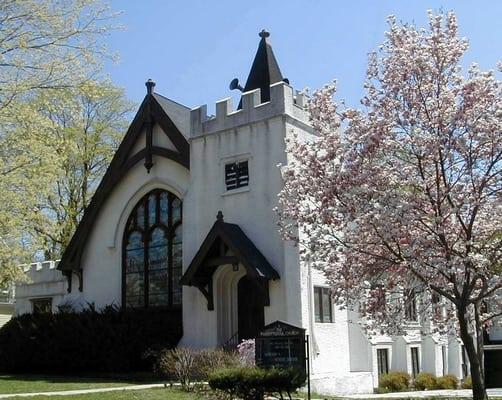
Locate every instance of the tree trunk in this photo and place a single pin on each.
(475, 359)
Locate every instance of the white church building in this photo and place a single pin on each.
(184, 221)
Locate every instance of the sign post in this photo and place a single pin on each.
(283, 345)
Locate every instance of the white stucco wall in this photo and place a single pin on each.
(42, 280)
(255, 133)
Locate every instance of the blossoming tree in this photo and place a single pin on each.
(402, 200)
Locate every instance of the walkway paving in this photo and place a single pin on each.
(464, 393)
(84, 391)
(424, 394)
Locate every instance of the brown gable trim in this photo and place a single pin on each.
(119, 166)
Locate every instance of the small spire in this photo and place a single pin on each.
(149, 86)
(264, 34)
(219, 216)
(264, 71)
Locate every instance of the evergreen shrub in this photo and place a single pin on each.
(110, 340)
(252, 383)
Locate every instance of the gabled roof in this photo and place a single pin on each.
(201, 269)
(265, 70)
(152, 109)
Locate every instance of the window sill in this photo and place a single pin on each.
(236, 191)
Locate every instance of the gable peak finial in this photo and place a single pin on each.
(264, 34)
(150, 84)
(219, 216)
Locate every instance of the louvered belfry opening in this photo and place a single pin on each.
(236, 175)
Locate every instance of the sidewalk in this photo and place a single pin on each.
(424, 394)
(464, 393)
(84, 391)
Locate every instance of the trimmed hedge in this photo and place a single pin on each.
(252, 383)
(110, 340)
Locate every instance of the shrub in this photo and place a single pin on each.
(394, 382)
(467, 383)
(110, 340)
(178, 364)
(425, 381)
(208, 361)
(252, 383)
(188, 365)
(447, 382)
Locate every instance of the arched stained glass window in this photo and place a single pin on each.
(152, 252)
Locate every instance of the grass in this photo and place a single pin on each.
(39, 383)
(145, 394)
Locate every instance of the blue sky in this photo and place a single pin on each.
(192, 49)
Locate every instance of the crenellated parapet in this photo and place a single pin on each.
(40, 272)
(283, 101)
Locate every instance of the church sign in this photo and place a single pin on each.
(281, 345)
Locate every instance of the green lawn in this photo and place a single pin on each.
(36, 383)
(146, 394)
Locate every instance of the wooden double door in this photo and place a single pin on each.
(251, 316)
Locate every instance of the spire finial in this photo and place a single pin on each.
(264, 34)
(219, 216)
(149, 86)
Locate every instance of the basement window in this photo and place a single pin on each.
(41, 306)
(236, 175)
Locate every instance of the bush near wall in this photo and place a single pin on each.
(467, 383)
(425, 381)
(447, 382)
(394, 382)
(111, 340)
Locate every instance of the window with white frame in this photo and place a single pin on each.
(415, 362)
(323, 305)
(383, 361)
(410, 305)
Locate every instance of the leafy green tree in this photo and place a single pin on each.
(49, 44)
(51, 53)
(85, 126)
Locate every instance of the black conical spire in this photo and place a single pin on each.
(264, 71)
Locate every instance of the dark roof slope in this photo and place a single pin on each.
(122, 162)
(255, 263)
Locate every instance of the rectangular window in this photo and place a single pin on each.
(236, 175)
(323, 305)
(410, 304)
(465, 371)
(415, 362)
(445, 360)
(383, 361)
(41, 306)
